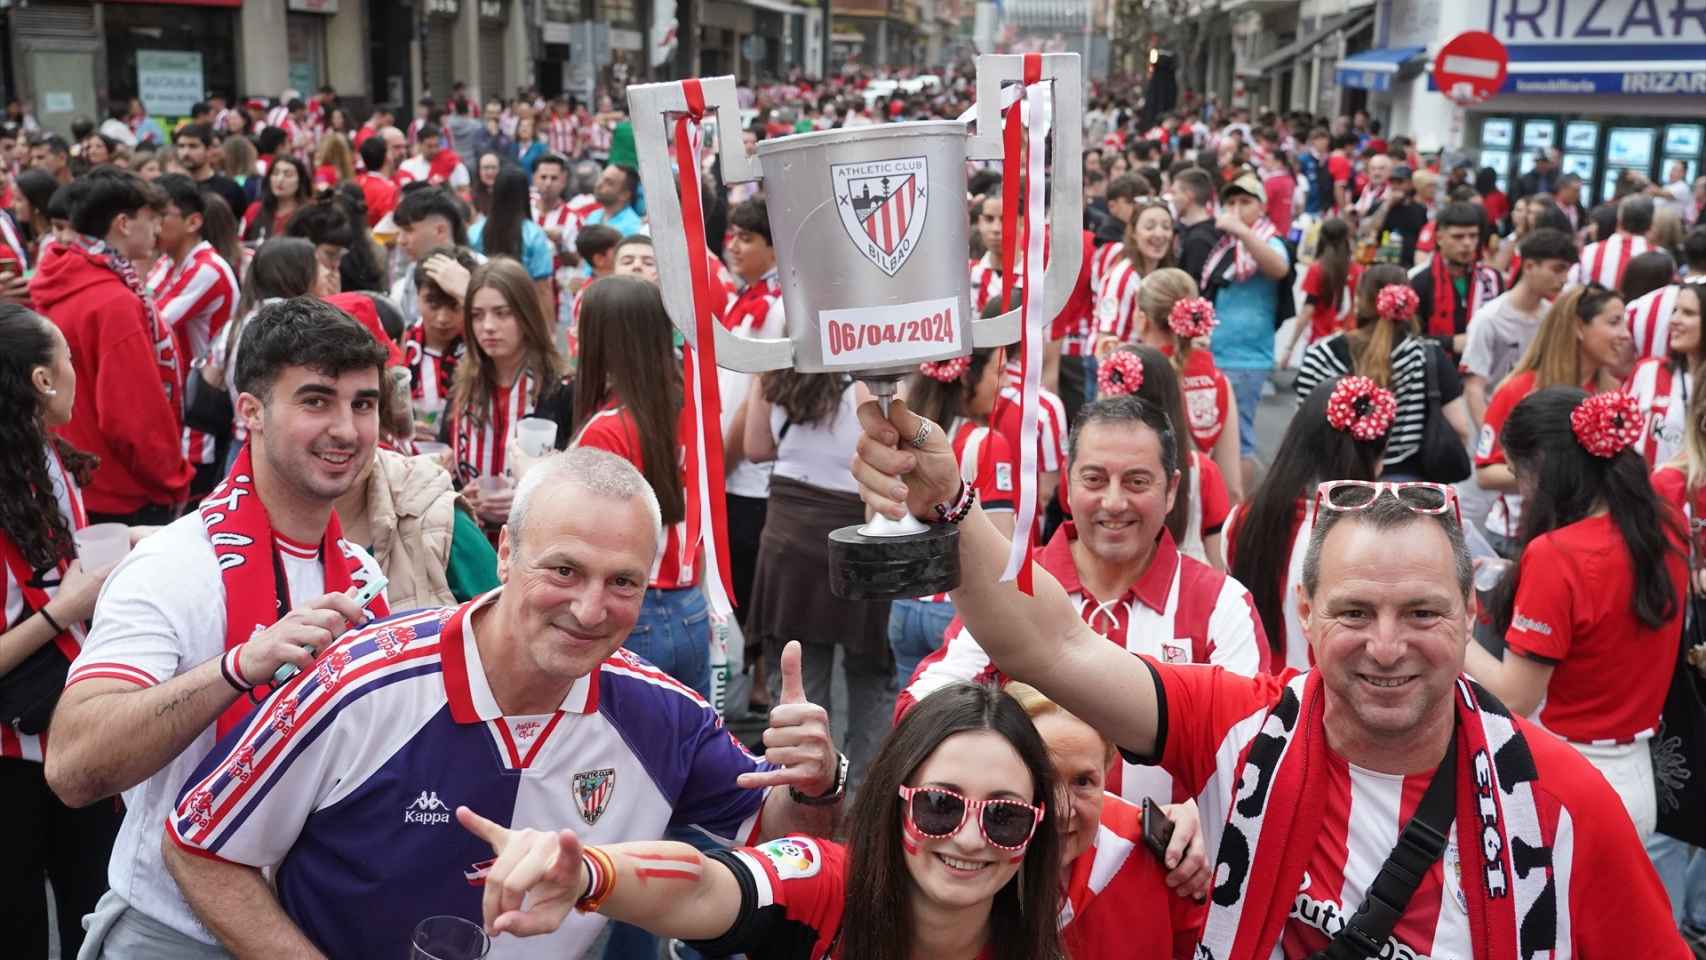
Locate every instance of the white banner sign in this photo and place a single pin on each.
(169, 81)
(879, 336)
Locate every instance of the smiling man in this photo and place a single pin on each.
(1122, 571)
(204, 611)
(1307, 781)
(520, 703)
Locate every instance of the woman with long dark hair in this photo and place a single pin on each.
(628, 396)
(509, 231)
(960, 393)
(1592, 613)
(48, 598)
(511, 371)
(1267, 535)
(1583, 339)
(1388, 347)
(953, 852)
(33, 189)
(1329, 287)
(286, 189)
(1664, 386)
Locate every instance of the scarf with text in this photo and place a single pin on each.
(1231, 260)
(1280, 809)
(1483, 285)
(256, 595)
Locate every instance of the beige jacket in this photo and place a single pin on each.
(411, 512)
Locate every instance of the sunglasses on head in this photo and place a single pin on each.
(937, 812)
(1419, 496)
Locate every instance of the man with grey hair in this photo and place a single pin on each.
(1379, 804)
(520, 704)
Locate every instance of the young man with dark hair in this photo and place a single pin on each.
(427, 218)
(378, 192)
(433, 345)
(615, 194)
(382, 116)
(432, 163)
(1603, 262)
(195, 150)
(1454, 283)
(195, 619)
(550, 207)
(128, 412)
(636, 257)
(596, 244)
(1500, 332)
(52, 154)
(1193, 188)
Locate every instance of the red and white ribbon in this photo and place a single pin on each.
(701, 408)
(1034, 321)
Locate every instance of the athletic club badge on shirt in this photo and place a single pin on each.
(592, 792)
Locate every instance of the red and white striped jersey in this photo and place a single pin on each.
(431, 372)
(1116, 305)
(1051, 419)
(986, 463)
(1178, 611)
(583, 205)
(1101, 261)
(26, 590)
(614, 429)
(1649, 321)
(986, 282)
(1663, 397)
(560, 132)
(1604, 262)
(1114, 889)
(196, 297)
(561, 217)
(756, 308)
(479, 448)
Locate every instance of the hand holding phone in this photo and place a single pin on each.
(1157, 830)
(363, 596)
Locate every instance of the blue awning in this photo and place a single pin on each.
(1375, 69)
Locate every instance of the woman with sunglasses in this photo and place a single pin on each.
(1662, 386)
(1117, 898)
(953, 853)
(1267, 535)
(1592, 615)
(1148, 247)
(1581, 343)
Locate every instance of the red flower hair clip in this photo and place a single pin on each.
(1606, 424)
(1397, 302)
(1362, 408)
(1191, 318)
(946, 371)
(1121, 374)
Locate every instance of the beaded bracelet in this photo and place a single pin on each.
(961, 506)
(230, 669)
(600, 879)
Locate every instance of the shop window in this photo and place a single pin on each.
(618, 11)
(305, 40)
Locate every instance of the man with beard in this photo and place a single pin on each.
(615, 195)
(1454, 283)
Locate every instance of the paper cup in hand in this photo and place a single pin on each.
(536, 435)
(101, 545)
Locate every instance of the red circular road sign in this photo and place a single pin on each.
(1471, 67)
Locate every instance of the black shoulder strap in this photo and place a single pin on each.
(1420, 846)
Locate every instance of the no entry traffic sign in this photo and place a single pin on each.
(1471, 67)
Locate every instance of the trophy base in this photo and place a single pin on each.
(863, 566)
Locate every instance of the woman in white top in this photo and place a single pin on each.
(1663, 385)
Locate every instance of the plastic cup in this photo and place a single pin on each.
(536, 435)
(101, 545)
(448, 938)
(1489, 572)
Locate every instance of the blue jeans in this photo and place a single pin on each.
(1247, 389)
(673, 633)
(915, 632)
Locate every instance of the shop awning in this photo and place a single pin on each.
(1347, 22)
(1376, 69)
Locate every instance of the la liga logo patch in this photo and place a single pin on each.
(795, 858)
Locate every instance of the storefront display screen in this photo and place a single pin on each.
(1580, 164)
(1683, 138)
(1499, 160)
(1537, 134)
(1581, 135)
(1630, 147)
(1496, 133)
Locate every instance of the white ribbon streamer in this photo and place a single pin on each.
(1035, 321)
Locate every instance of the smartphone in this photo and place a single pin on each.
(1157, 829)
(362, 597)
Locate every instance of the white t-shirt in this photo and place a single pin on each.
(748, 479)
(818, 453)
(419, 168)
(1497, 336)
(162, 613)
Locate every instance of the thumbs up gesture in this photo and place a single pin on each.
(797, 741)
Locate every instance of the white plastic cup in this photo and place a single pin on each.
(536, 435)
(448, 938)
(1489, 572)
(101, 545)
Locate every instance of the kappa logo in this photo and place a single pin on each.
(592, 789)
(390, 641)
(330, 668)
(883, 206)
(201, 807)
(427, 810)
(243, 763)
(284, 715)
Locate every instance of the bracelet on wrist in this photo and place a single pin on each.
(230, 667)
(600, 879)
(57, 628)
(837, 787)
(960, 506)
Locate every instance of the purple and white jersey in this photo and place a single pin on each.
(347, 779)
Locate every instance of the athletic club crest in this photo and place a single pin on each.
(592, 792)
(882, 205)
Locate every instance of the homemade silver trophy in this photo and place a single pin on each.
(870, 228)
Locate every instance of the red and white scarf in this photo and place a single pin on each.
(1242, 263)
(1274, 822)
(165, 345)
(237, 523)
(481, 443)
(1483, 285)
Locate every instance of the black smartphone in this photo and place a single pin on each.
(1157, 829)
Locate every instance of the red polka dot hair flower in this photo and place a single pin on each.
(1191, 318)
(946, 371)
(1605, 424)
(1121, 374)
(1361, 408)
(1397, 302)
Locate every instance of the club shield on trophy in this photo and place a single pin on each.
(870, 229)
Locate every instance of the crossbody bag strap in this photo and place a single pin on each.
(1420, 846)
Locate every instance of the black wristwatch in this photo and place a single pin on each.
(837, 790)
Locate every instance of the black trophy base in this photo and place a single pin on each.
(863, 567)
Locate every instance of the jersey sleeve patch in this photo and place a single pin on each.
(793, 858)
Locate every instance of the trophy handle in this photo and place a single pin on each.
(1066, 186)
(647, 105)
